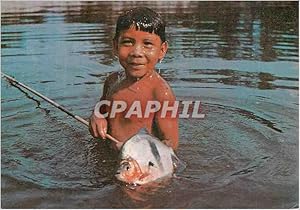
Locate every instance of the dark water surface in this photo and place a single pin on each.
(239, 59)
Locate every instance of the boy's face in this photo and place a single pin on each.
(139, 51)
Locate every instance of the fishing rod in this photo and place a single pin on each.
(14, 81)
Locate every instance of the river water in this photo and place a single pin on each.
(240, 59)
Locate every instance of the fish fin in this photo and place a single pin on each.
(143, 131)
(178, 164)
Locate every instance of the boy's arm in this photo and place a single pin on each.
(98, 126)
(167, 127)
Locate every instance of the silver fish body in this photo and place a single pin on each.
(144, 158)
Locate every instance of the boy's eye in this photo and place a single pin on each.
(148, 44)
(127, 42)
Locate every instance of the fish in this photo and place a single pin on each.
(144, 158)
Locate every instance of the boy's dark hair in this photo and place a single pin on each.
(144, 19)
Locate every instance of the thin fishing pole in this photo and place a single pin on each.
(11, 79)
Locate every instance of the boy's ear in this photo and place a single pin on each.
(163, 50)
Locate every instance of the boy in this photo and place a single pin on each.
(140, 44)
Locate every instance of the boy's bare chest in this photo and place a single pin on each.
(140, 91)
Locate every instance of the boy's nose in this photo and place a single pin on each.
(138, 50)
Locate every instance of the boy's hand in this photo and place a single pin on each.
(98, 127)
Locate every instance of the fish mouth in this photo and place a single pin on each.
(120, 177)
(118, 173)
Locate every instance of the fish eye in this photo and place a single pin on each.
(126, 165)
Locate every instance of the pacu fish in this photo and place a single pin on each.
(144, 158)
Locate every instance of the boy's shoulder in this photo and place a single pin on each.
(111, 82)
(162, 89)
(114, 76)
(160, 82)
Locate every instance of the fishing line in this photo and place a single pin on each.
(83, 121)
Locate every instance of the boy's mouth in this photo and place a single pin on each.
(136, 65)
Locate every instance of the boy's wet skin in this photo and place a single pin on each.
(150, 88)
(138, 52)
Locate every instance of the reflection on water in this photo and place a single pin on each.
(240, 59)
(236, 30)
